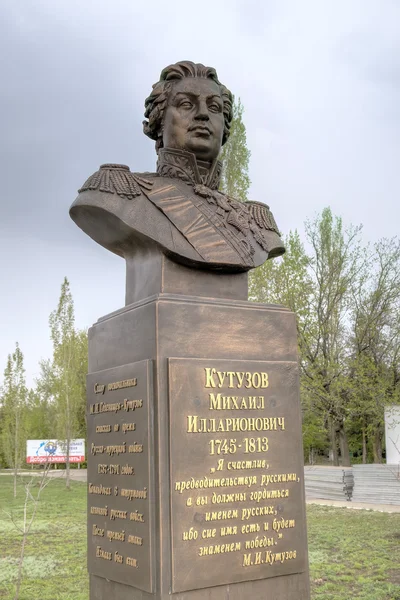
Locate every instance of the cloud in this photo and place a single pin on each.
(319, 82)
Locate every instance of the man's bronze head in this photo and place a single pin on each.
(189, 109)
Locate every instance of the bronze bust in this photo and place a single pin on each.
(179, 209)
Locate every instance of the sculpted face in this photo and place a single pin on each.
(194, 119)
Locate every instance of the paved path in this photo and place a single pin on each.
(76, 474)
(389, 508)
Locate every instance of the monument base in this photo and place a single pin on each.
(195, 475)
(281, 588)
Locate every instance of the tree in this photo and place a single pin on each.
(315, 435)
(235, 156)
(40, 415)
(318, 287)
(81, 365)
(375, 337)
(62, 378)
(286, 281)
(347, 300)
(14, 394)
(337, 264)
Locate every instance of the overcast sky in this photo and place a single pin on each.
(319, 80)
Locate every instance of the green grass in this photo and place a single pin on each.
(55, 556)
(353, 554)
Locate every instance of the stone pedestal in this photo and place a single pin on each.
(195, 474)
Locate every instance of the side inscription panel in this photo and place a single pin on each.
(236, 467)
(120, 474)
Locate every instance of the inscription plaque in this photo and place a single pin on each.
(120, 474)
(237, 490)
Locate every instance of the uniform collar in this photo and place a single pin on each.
(184, 165)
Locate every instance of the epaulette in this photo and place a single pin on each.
(117, 179)
(262, 216)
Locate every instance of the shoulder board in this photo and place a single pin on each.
(262, 216)
(117, 179)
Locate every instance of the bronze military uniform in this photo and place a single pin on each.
(180, 209)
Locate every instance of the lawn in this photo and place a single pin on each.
(55, 557)
(353, 554)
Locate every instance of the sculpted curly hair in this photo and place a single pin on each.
(156, 103)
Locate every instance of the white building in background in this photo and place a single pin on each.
(392, 434)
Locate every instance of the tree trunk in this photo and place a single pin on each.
(332, 433)
(24, 536)
(67, 478)
(344, 445)
(15, 480)
(15, 455)
(364, 447)
(20, 564)
(68, 436)
(377, 446)
(27, 525)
